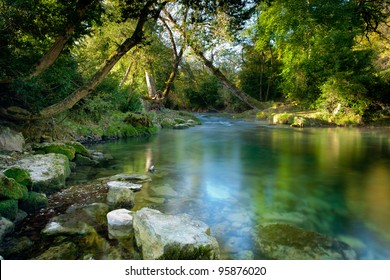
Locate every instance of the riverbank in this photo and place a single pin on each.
(297, 116)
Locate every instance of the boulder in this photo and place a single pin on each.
(134, 178)
(119, 197)
(56, 148)
(34, 202)
(126, 185)
(85, 161)
(93, 214)
(48, 172)
(79, 148)
(287, 242)
(6, 227)
(9, 209)
(162, 236)
(10, 189)
(11, 140)
(120, 223)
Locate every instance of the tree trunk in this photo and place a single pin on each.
(151, 85)
(126, 76)
(250, 101)
(54, 52)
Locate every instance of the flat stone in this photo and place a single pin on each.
(48, 172)
(163, 191)
(173, 236)
(134, 178)
(120, 223)
(124, 184)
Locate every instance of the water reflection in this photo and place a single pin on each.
(237, 176)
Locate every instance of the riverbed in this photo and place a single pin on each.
(236, 175)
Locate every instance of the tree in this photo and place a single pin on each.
(207, 25)
(142, 12)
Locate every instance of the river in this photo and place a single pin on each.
(235, 175)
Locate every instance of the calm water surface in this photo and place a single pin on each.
(235, 175)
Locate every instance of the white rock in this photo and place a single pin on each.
(48, 172)
(157, 233)
(120, 223)
(124, 184)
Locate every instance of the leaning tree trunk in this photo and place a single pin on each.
(250, 101)
(85, 90)
(151, 84)
(54, 52)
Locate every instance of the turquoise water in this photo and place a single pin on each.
(235, 175)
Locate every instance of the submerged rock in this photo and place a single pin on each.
(134, 178)
(119, 197)
(162, 236)
(120, 223)
(48, 172)
(286, 242)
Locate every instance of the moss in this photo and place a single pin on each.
(64, 251)
(188, 252)
(10, 189)
(9, 209)
(79, 148)
(288, 235)
(34, 202)
(20, 175)
(56, 148)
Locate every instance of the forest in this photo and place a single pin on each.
(87, 64)
(292, 160)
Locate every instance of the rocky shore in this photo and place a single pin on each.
(95, 220)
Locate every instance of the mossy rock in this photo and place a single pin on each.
(9, 209)
(64, 251)
(20, 175)
(34, 202)
(283, 241)
(10, 189)
(79, 148)
(188, 252)
(85, 161)
(138, 120)
(56, 148)
(283, 118)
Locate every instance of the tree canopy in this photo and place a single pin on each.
(319, 53)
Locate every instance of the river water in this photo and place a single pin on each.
(235, 175)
